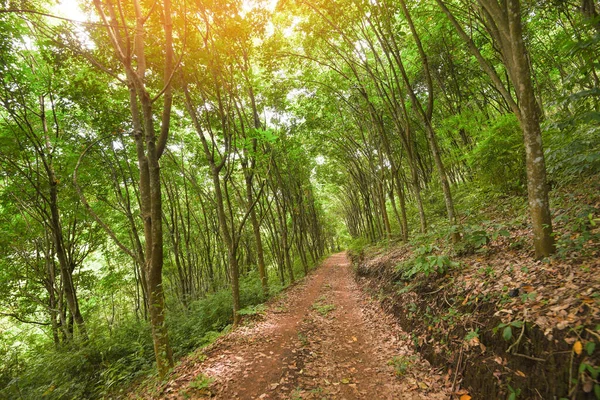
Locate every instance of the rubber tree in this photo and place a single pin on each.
(503, 22)
(131, 51)
(249, 165)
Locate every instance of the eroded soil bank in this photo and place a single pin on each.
(500, 324)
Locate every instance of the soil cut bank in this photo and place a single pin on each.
(460, 321)
(322, 339)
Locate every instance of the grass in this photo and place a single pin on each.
(322, 307)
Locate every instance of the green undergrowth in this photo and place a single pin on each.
(487, 216)
(402, 364)
(500, 219)
(107, 364)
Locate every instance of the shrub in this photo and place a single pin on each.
(498, 157)
(358, 245)
(426, 263)
(83, 371)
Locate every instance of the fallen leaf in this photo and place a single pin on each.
(466, 299)
(588, 386)
(527, 288)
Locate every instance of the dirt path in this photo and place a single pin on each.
(322, 340)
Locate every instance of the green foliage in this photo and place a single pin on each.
(111, 360)
(475, 237)
(570, 156)
(426, 263)
(507, 332)
(99, 367)
(580, 224)
(590, 347)
(204, 319)
(472, 334)
(201, 382)
(308, 133)
(498, 157)
(322, 307)
(402, 364)
(513, 394)
(253, 310)
(571, 136)
(358, 245)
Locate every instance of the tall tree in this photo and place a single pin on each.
(131, 51)
(503, 22)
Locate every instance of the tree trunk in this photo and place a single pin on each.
(262, 273)
(149, 148)
(65, 267)
(503, 22)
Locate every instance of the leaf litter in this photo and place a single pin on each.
(302, 353)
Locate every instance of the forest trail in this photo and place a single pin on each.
(322, 339)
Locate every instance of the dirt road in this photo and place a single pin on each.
(323, 339)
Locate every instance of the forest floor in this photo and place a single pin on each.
(321, 339)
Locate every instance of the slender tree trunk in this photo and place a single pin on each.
(151, 208)
(417, 191)
(537, 187)
(257, 239)
(229, 244)
(402, 199)
(426, 116)
(66, 272)
(148, 146)
(435, 150)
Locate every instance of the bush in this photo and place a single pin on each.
(572, 154)
(426, 262)
(498, 157)
(83, 371)
(196, 326)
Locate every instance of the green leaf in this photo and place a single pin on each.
(517, 324)
(585, 94)
(590, 347)
(597, 390)
(591, 116)
(593, 371)
(504, 232)
(507, 333)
